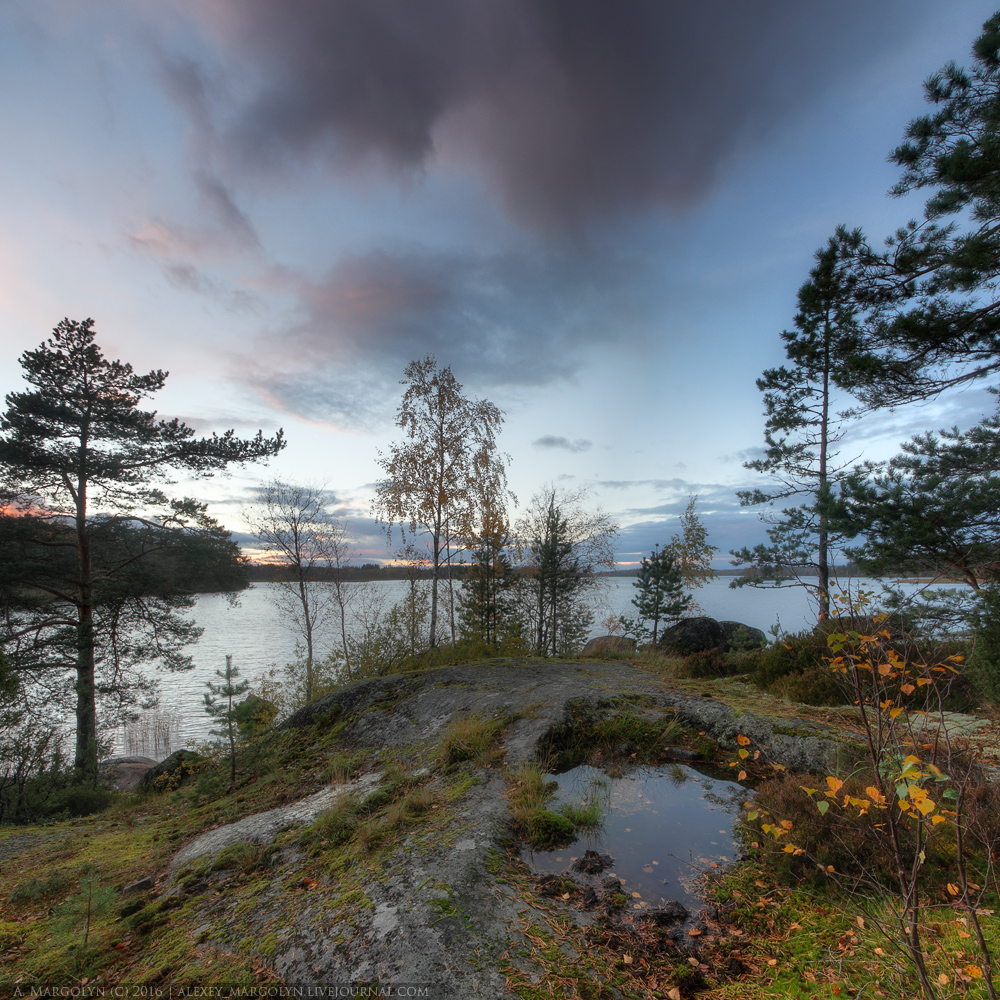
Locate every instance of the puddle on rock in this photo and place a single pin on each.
(662, 826)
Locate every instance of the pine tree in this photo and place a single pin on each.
(224, 710)
(487, 602)
(827, 351)
(78, 454)
(931, 295)
(660, 587)
(564, 544)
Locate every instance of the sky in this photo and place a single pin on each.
(597, 215)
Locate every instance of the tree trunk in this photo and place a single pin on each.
(434, 583)
(307, 619)
(85, 762)
(823, 546)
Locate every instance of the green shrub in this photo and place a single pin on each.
(795, 654)
(547, 830)
(343, 767)
(713, 663)
(383, 796)
(857, 846)
(80, 800)
(335, 825)
(244, 856)
(816, 685)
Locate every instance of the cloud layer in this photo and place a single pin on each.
(498, 319)
(552, 441)
(570, 111)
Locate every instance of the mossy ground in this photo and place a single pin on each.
(763, 938)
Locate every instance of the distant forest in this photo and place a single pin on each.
(270, 573)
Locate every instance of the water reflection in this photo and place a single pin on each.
(663, 826)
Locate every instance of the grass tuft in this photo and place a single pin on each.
(472, 739)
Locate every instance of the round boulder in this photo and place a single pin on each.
(171, 772)
(604, 644)
(691, 635)
(124, 773)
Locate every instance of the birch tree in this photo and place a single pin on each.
(308, 548)
(438, 478)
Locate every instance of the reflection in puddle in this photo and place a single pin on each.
(663, 826)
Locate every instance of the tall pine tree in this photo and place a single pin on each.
(77, 453)
(827, 352)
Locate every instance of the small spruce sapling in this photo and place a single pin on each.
(223, 710)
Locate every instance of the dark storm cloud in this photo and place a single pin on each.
(570, 110)
(498, 320)
(551, 441)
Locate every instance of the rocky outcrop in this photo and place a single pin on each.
(432, 910)
(692, 635)
(175, 770)
(698, 635)
(124, 773)
(604, 644)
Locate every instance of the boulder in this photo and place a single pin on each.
(699, 635)
(692, 635)
(604, 644)
(740, 638)
(124, 773)
(175, 770)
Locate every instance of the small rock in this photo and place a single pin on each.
(141, 886)
(680, 753)
(593, 863)
(549, 885)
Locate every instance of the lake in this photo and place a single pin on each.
(254, 632)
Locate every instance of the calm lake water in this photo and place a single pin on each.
(254, 632)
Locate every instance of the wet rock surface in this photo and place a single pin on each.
(433, 910)
(593, 863)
